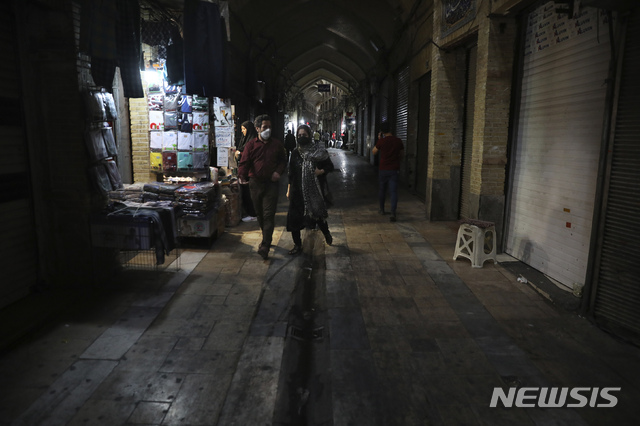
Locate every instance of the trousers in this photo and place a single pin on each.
(264, 194)
(388, 179)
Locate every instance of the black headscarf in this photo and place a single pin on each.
(311, 153)
(251, 133)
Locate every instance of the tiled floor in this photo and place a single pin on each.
(401, 335)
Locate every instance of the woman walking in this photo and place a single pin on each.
(308, 168)
(248, 133)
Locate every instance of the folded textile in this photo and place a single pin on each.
(170, 141)
(156, 120)
(155, 101)
(185, 160)
(185, 103)
(109, 141)
(171, 102)
(171, 120)
(161, 188)
(201, 141)
(155, 161)
(110, 106)
(155, 140)
(114, 174)
(169, 161)
(200, 160)
(185, 141)
(95, 145)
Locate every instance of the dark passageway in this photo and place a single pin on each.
(382, 328)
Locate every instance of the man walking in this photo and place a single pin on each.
(391, 151)
(264, 159)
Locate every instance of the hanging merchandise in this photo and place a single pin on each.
(173, 132)
(100, 141)
(224, 131)
(204, 46)
(170, 141)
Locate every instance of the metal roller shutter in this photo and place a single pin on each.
(18, 255)
(617, 293)
(557, 145)
(403, 105)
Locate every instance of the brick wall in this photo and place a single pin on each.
(493, 95)
(139, 116)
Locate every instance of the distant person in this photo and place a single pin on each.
(308, 169)
(263, 161)
(248, 133)
(391, 151)
(289, 143)
(345, 140)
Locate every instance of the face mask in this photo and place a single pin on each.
(304, 140)
(265, 134)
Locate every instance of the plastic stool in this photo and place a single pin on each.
(470, 242)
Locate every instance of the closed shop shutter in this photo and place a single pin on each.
(617, 293)
(403, 105)
(18, 255)
(557, 145)
(467, 146)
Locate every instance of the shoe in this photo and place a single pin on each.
(249, 219)
(381, 211)
(263, 251)
(328, 238)
(392, 218)
(295, 250)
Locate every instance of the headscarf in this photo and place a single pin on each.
(311, 153)
(251, 133)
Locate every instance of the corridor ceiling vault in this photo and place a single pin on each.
(309, 41)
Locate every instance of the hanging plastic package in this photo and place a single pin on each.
(185, 141)
(170, 120)
(155, 140)
(201, 141)
(171, 102)
(110, 142)
(95, 145)
(110, 106)
(156, 120)
(170, 141)
(185, 160)
(185, 122)
(114, 175)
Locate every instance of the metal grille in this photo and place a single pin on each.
(617, 300)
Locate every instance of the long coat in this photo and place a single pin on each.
(295, 216)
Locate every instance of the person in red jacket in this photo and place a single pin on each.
(263, 161)
(391, 151)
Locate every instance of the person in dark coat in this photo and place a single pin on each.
(248, 133)
(289, 143)
(308, 168)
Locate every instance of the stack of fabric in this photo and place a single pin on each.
(129, 192)
(197, 199)
(158, 191)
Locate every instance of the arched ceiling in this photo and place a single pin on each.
(312, 40)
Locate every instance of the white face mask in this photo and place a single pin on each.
(265, 134)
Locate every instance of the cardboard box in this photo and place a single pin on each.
(189, 226)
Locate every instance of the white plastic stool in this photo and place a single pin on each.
(471, 241)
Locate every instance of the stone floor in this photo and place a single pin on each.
(381, 328)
